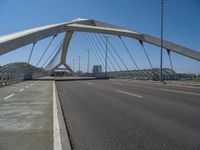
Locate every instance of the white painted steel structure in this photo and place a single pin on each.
(16, 40)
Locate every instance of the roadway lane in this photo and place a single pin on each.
(123, 115)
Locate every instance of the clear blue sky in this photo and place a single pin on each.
(181, 25)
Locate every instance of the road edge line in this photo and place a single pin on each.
(60, 134)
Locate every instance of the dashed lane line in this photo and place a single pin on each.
(131, 94)
(21, 90)
(9, 96)
(33, 83)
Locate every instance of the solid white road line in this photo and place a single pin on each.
(56, 127)
(177, 91)
(8, 96)
(131, 94)
(26, 86)
(21, 90)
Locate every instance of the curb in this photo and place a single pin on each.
(60, 135)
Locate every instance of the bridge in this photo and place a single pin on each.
(109, 106)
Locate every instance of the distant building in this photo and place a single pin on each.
(97, 69)
(79, 73)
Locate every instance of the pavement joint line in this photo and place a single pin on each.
(88, 83)
(160, 84)
(184, 86)
(117, 83)
(7, 97)
(21, 90)
(127, 93)
(56, 127)
(178, 91)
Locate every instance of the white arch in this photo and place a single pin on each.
(15, 40)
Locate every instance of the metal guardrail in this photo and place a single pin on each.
(16, 72)
(7, 78)
(145, 74)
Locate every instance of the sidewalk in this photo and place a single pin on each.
(26, 116)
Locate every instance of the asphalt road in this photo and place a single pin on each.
(119, 115)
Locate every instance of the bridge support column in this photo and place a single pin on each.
(65, 45)
(66, 42)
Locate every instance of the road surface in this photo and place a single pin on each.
(26, 116)
(125, 115)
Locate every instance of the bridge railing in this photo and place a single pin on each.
(16, 72)
(145, 74)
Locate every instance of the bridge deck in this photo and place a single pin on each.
(123, 114)
(26, 117)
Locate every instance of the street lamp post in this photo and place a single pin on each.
(70, 64)
(74, 65)
(161, 46)
(88, 65)
(106, 57)
(79, 60)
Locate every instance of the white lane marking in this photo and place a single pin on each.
(183, 92)
(26, 86)
(31, 84)
(8, 96)
(56, 127)
(88, 83)
(21, 90)
(127, 93)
